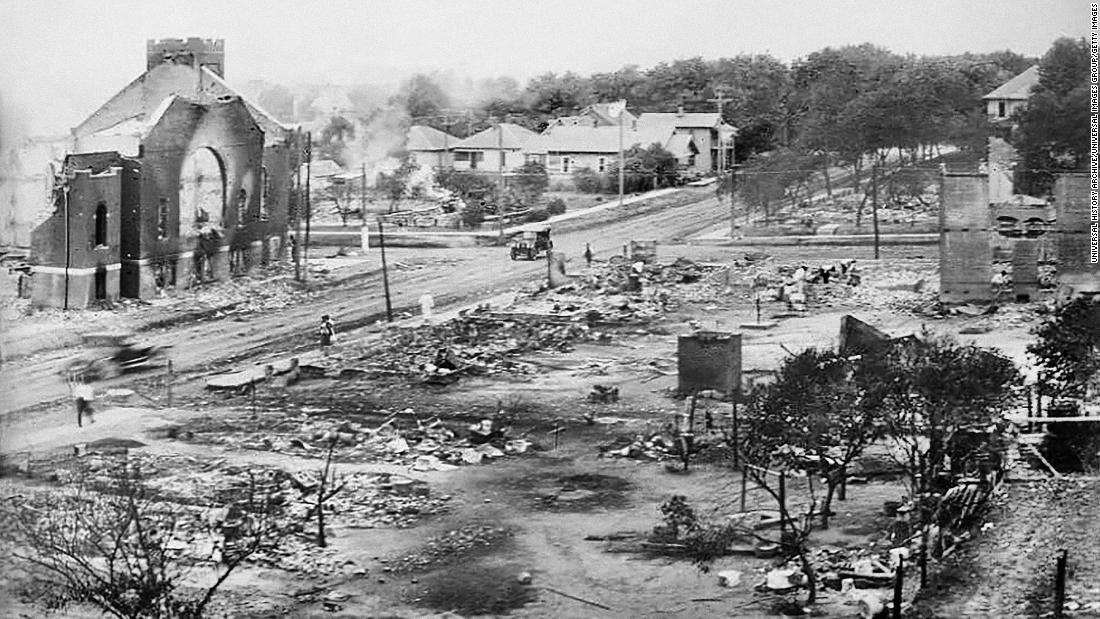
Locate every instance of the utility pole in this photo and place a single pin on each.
(385, 273)
(309, 211)
(622, 156)
(295, 249)
(719, 100)
(500, 154)
(363, 192)
(874, 204)
(68, 225)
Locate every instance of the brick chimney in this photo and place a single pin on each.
(194, 52)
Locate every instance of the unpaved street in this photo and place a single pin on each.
(467, 275)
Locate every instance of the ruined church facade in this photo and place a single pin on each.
(175, 181)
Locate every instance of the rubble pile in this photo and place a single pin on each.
(477, 343)
(427, 446)
(203, 501)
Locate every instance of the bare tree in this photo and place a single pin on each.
(114, 543)
(327, 489)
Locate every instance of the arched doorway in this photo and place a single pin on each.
(201, 193)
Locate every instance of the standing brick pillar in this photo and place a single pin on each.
(710, 360)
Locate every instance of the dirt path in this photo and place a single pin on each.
(196, 347)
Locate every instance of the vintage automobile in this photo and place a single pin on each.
(111, 354)
(530, 242)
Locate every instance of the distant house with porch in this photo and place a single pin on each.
(707, 130)
(498, 148)
(1011, 96)
(430, 147)
(570, 148)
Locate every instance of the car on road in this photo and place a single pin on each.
(108, 355)
(531, 241)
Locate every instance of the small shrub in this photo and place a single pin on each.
(556, 206)
(536, 215)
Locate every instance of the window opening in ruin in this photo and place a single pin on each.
(242, 208)
(265, 194)
(202, 199)
(162, 219)
(1000, 109)
(239, 261)
(101, 225)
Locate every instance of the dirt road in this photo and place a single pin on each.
(472, 273)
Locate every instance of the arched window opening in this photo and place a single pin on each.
(101, 225)
(202, 198)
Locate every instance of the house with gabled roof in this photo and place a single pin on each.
(174, 181)
(498, 148)
(710, 134)
(1006, 99)
(595, 115)
(430, 147)
(567, 149)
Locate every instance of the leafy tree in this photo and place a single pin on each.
(531, 181)
(423, 99)
(473, 215)
(1067, 348)
(627, 83)
(758, 87)
(342, 196)
(554, 95)
(933, 390)
(646, 168)
(1052, 133)
(395, 185)
(587, 180)
(334, 139)
(470, 186)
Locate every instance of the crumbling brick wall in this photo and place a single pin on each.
(965, 252)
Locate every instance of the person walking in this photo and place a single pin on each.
(83, 396)
(588, 254)
(327, 333)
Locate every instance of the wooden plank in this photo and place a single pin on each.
(1035, 452)
(1015, 419)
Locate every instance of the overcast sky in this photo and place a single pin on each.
(61, 60)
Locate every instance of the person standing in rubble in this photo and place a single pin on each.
(327, 333)
(588, 254)
(83, 397)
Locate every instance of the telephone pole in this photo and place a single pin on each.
(874, 204)
(309, 212)
(719, 100)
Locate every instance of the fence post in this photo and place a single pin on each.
(1060, 585)
(169, 383)
(899, 576)
(744, 486)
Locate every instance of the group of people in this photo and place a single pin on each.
(844, 272)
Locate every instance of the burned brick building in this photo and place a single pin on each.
(1021, 234)
(174, 181)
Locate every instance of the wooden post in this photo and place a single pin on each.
(169, 384)
(1060, 585)
(744, 486)
(923, 556)
(899, 576)
(385, 273)
(782, 506)
(842, 492)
